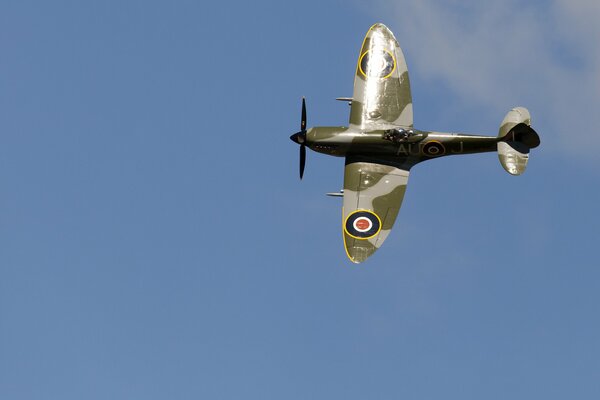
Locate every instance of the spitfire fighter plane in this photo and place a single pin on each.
(381, 145)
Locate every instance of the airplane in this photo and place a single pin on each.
(380, 144)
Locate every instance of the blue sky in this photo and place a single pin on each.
(155, 241)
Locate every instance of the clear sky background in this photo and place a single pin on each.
(155, 241)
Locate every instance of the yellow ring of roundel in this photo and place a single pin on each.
(441, 145)
(367, 237)
(382, 77)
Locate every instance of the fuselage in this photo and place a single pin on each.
(395, 143)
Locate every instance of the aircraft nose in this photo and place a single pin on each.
(298, 137)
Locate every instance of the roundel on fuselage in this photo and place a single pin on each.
(434, 149)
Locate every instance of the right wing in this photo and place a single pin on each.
(382, 95)
(373, 195)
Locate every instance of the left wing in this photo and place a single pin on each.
(382, 97)
(373, 195)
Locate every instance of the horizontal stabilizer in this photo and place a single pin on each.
(516, 138)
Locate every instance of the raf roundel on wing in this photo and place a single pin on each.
(377, 63)
(362, 224)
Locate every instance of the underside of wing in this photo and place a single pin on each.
(373, 195)
(382, 96)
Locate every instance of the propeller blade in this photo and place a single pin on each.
(300, 138)
(302, 159)
(303, 120)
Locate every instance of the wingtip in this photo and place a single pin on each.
(379, 26)
(356, 258)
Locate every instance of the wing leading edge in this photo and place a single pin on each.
(373, 195)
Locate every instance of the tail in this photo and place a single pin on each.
(515, 138)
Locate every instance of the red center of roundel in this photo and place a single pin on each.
(363, 224)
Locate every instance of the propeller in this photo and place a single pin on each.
(300, 138)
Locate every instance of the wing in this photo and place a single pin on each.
(381, 87)
(373, 195)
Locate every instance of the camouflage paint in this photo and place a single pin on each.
(378, 163)
(376, 188)
(381, 99)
